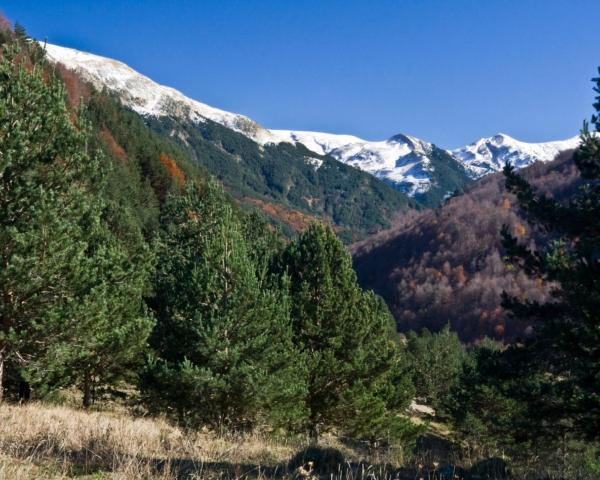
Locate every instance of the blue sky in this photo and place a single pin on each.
(445, 71)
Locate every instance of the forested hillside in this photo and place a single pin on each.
(445, 265)
(289, 176)
(447, 178)
(290, 184)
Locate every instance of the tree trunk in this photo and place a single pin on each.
(1, 376)
(314, 433)
(24, 392)
(87, 390)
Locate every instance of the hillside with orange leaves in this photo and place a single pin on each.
(114, 148)
(446, 265)
(294, 219)
(77, 90)
(172, 169)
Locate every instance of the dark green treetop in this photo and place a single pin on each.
(567, 345)
(347, 338)
(223, 351)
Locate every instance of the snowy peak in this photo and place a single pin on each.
(401, 160)
(488, 155)
(318, 142)
(145, 96)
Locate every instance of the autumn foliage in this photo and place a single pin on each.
(446, 265)
(172, 169)
(77, 89)
(115, 149)
(5, 24)
(296, 220)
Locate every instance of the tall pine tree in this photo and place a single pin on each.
(567, 346)
(67, 288)
(355, 371)
(437, 360)
(223, 339)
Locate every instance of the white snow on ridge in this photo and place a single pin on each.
(321, 143)
(401, 160)
(488, 155)
(145, 96)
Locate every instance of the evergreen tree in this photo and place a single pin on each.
(223, 341)
(102, 337)
(567, 346)
(264, 243)
(40, 164)
(58, 283)
(485, 405)
(20, 32)
(345, 335)
(437, 360)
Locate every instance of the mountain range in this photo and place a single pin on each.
(413, 166)
(290, 184)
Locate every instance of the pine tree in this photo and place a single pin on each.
(20, 32)
(263, 241)
(567, 346)
(437, 360)
(345, 335)
(223, 343)
(60, 264)
(102, 337)
(41, 162)
(485, 405)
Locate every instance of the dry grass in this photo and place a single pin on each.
(55, 442)
(39, 441)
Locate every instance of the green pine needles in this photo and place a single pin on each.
(567, 348)
(356, 379)
(223, 352)
(70, 293)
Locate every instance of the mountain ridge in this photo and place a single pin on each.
(403, 161)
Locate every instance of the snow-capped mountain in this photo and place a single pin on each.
(410, 164)
(401, 160)
(488, 155)
(147, 97)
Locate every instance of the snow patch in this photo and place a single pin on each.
(314, 162)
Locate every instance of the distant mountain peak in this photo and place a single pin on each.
(490, 154)
(144, 95)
